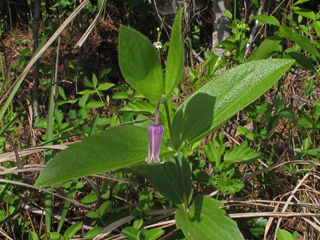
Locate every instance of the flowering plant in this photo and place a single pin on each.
(201, 114)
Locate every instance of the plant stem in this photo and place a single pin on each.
(169, 121)
(157, 113)
(183, 186)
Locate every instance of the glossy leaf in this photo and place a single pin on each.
(206, 220)
(140, 64)
(302, 41)
(115, 148)
(175, 60)
(165, 178)
(217, 101)
(267, 19)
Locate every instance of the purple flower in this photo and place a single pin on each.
(155, 138)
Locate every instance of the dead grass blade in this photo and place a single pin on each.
(279, 165)
(107, 230)
(10, 156)
(94, 22)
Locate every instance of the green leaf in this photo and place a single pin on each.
(83, 100)
(105, 86)
(53, 236)
(140, 64)
(84, 113)
(93, 215)
(228, 14)
(256, 3)
(175, 60)
(115, 148)
(284, 235)
(104, 208)
(316, 25)
(206, 220)
(225, 184)
(95, 104)
(268, 46)
(90, 199)
(302, 41)
(41, 123)
(306, 144)
(214, 151)
(59, 115)
(241, 153)
(131, 232)
(62, 93)
(140, 107)
(304, 12)
(94, 80)
(87, 82)
(33, 236)
(305, 120)
(165, 178)
(200, 176)
(267, 19)
(300, 1)
(94, 232)
(287, 113)
(72, 230)
(120, 95)
(302, 60)
(154, 234)
(278, 104)
(217, 101)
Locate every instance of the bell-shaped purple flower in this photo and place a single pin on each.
(155, 138)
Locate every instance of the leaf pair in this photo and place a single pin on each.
(140, 63)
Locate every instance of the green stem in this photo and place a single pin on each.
(169, 121)
(183, 186)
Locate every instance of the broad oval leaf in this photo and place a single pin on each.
(140, 64)
(115, 148)
(217, 101)
(206, 220)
